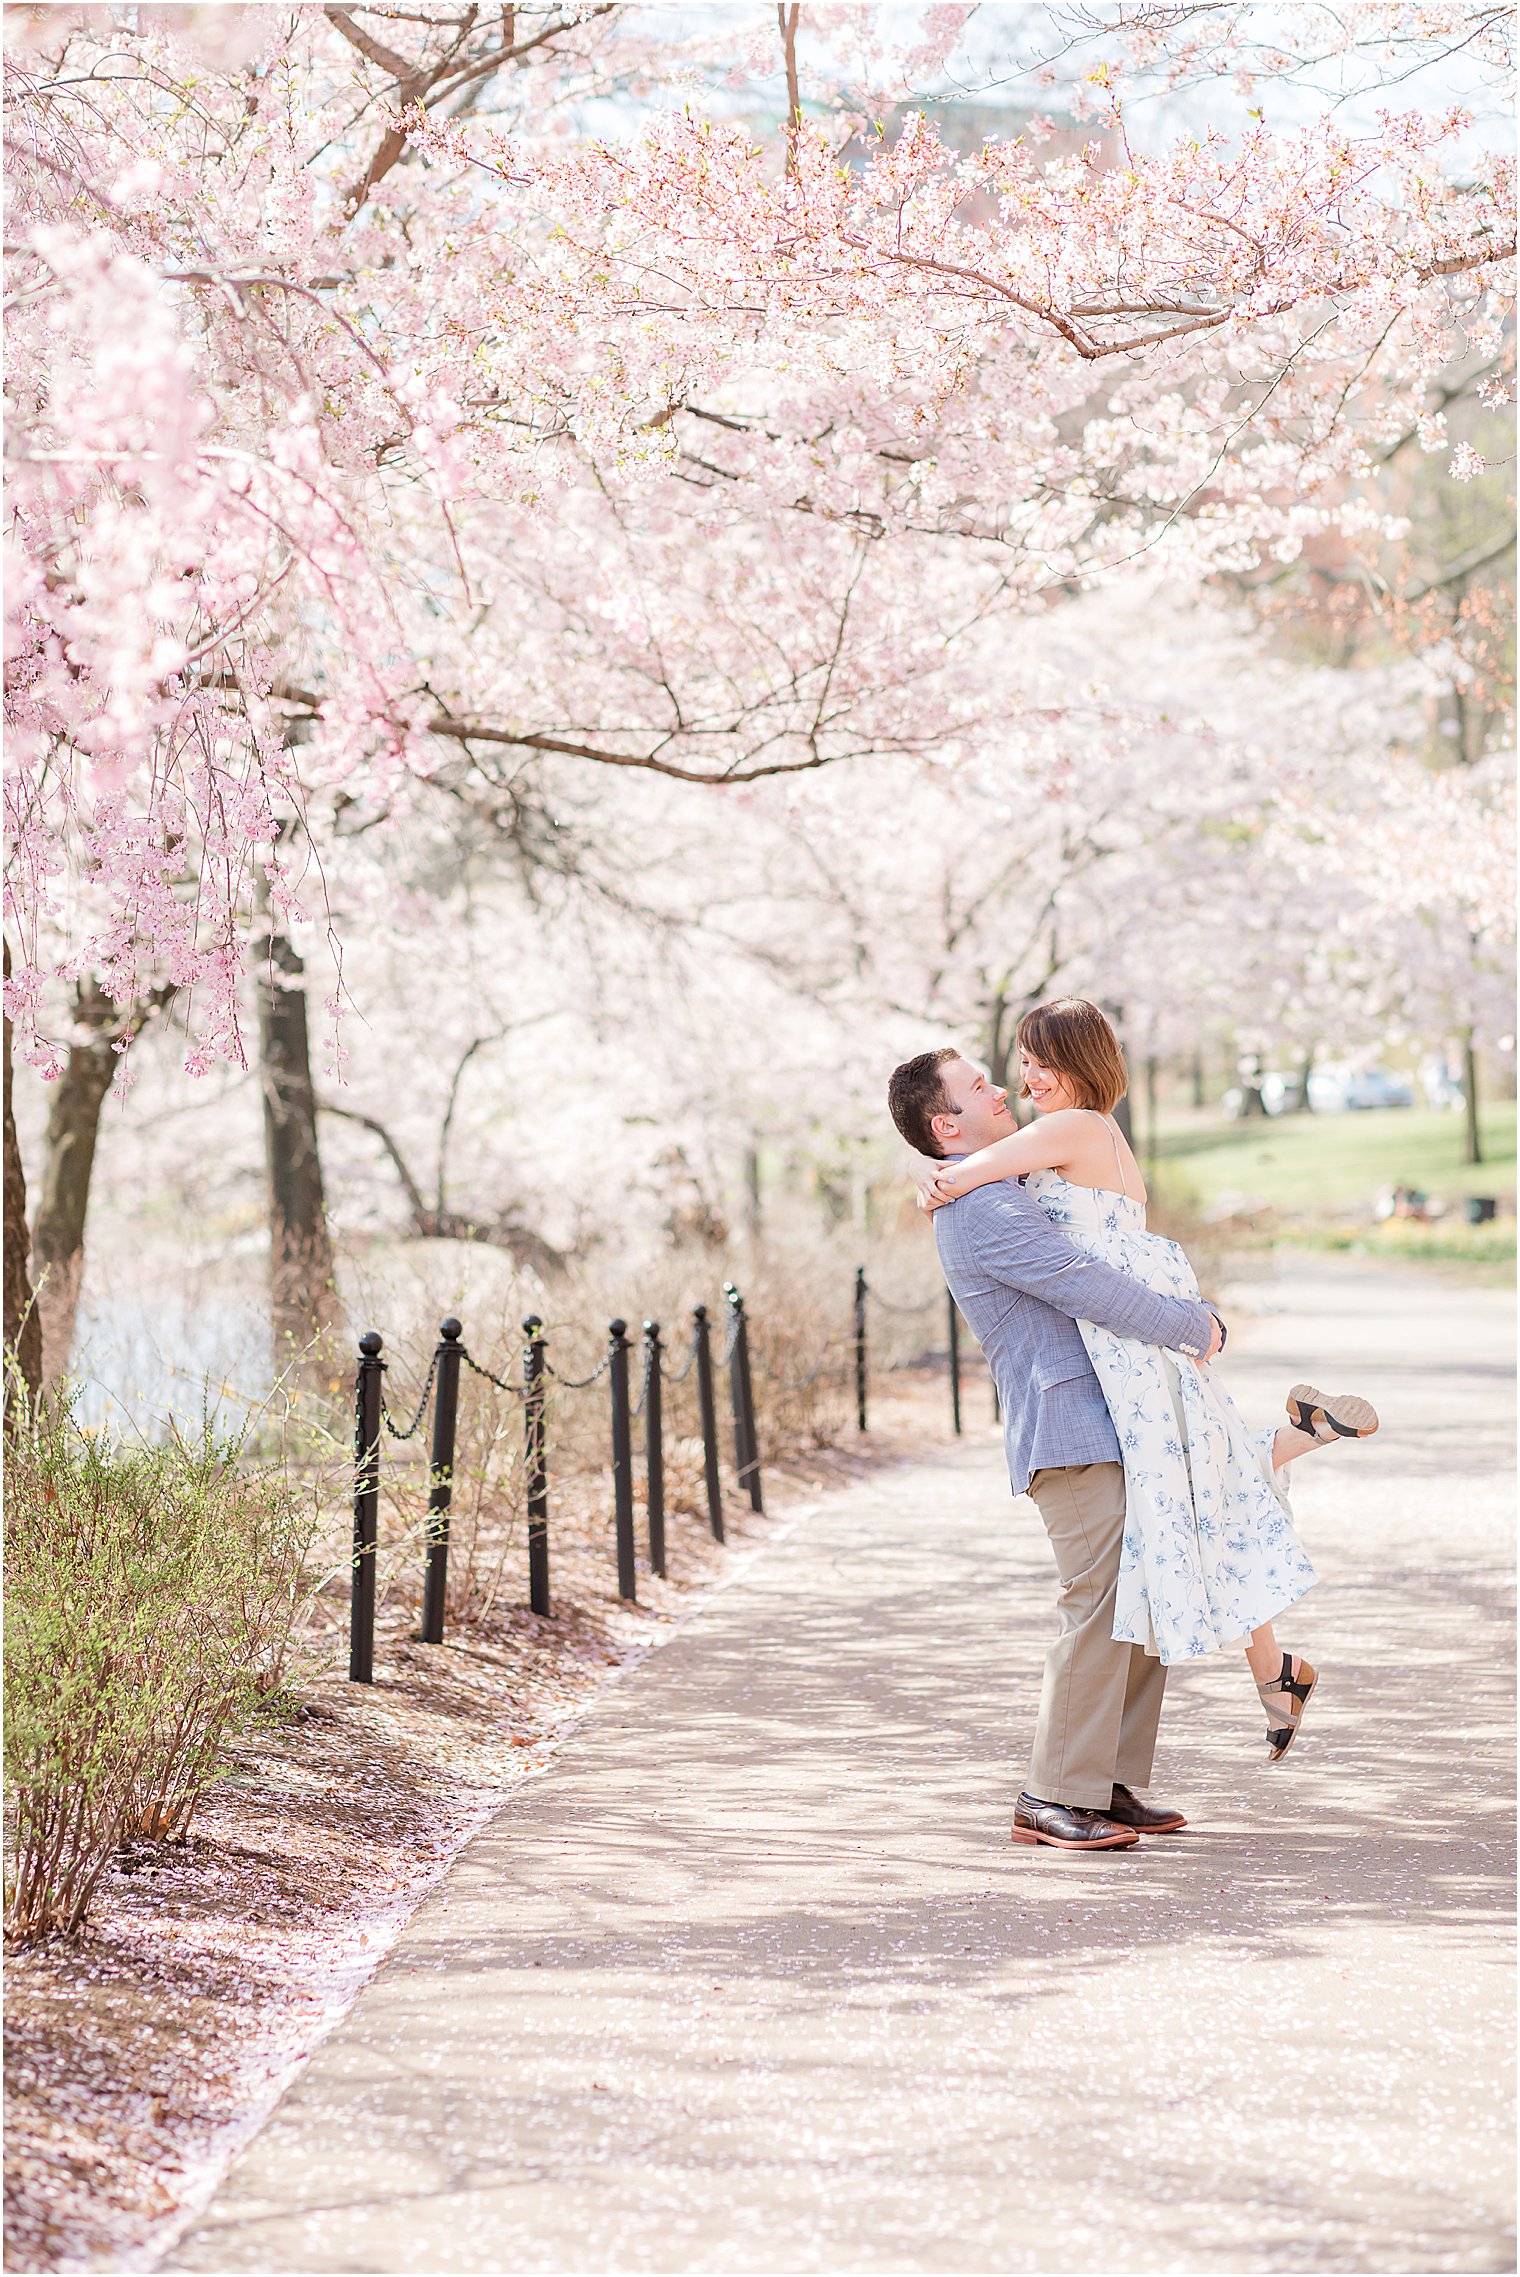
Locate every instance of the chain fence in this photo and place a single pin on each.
(733, 1359)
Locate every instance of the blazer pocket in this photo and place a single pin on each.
(1060, 1372)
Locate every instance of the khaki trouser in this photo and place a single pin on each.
(1101, 1701)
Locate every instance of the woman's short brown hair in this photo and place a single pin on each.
(1073, 1038)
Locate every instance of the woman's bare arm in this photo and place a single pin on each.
(1047, 1144)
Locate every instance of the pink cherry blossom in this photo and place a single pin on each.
(334, 479)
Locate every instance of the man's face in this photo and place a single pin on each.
(981, 1109)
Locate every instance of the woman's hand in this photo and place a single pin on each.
(935, 1186)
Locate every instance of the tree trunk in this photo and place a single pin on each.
(23, 1329)
(1473, 1151)
(999, 1039)
(1123, 1115)
(1152, 1135)
(1249, 1078)
(303, 1300)
(1199, 1099)
(73, 1125)
(1303, 1104)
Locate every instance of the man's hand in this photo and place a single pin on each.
(1216, 1338)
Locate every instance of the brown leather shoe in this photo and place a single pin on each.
(1146, 1818)
(1067, 1827)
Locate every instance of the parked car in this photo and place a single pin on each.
(1351, 1090)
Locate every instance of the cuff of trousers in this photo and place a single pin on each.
(1082, 1797)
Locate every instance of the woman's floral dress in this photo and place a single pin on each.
(1209, 1548)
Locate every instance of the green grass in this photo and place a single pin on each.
(1483, 1253)
(1335, 1164)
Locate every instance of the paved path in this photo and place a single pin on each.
(754, 1980)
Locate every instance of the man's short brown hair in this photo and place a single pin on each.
(1073, 1038)
(916, 1094)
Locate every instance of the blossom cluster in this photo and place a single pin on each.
(359, 443)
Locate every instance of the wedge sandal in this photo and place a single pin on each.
(1331, 1415)
(1285, 1699)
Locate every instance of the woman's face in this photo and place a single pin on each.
(1047, 1090)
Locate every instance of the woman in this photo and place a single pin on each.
(1210, 1554)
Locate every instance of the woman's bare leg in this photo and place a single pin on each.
(1289, 1443)
(1264, 1654)
(1263, 1651)
(1283, 1686)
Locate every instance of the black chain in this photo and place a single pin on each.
(411, 1428)
(565, 1383)
(649, 1367)
(578, 1383)
(923, 1304)
(513, 1391)
(801, 1383)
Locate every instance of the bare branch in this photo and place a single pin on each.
(413, 1191)
(786, 18)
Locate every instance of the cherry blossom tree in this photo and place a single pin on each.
(1217, 842)
(283, 424)
(379, 435)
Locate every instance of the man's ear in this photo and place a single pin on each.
(946, 1128)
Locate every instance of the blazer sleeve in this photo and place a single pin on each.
(1016, 1243)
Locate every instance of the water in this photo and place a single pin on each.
(173, 1358)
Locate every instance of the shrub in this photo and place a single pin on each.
(150, 1594)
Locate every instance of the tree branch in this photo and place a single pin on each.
(1462, 569)
(786, 18)
(413, 1191)
(1455, 264)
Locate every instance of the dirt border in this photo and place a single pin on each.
(141, 2057)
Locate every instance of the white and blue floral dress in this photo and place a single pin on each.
(1209, 1548)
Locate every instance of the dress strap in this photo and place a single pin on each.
(1118, 1157)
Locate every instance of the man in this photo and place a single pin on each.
(1023, 1287)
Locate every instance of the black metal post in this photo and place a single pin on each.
(654, 1446)
(361, 1598)
(703, 1334)
(536, 1465)
(860, 1348)
(742, 1391)
(622, 1460)
(752, 1436)
(441, 1480)
(735, 1396)
(955, 1363)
